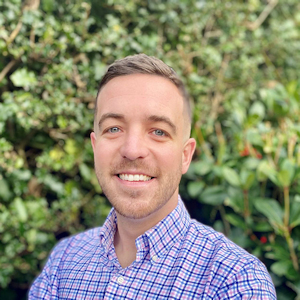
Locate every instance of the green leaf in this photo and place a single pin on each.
(23, 78)
(5, 192)
(236, 221)
(283, 178)
(247, 179)
(279, 252)
(272, 210)
(21, 209)
(280, 268)
(266, 170)
(42, 238)
(292, 274)
(295, 214)
(251, 163)
(85, 172)
(195, 187)
(99, 69)
(286, 173)
(231, 176)
(213, 195)
(22, 174)
(285, 268)
(4, 144)
(62, 122)
(203, 167)
(48, 5)
(254, 137)
(257, 109)
(54, 184)
(235, 202)
(31, 236)
(71, 147)
(263, 227)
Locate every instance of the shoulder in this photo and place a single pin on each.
(69, 252)
(219, 245)
(79, 245)
(220, 253)
(232, 270)
(84, 239)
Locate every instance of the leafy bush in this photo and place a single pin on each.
(240, 61)
(249, 171)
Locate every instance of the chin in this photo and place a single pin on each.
(135, 211)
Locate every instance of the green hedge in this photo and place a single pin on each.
(240, 61)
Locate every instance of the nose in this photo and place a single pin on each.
(134, 146)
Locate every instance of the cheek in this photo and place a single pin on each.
(102, 153)
(170, 158)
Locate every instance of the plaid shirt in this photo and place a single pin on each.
(179, 258)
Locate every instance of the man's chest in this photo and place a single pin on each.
(158, 278)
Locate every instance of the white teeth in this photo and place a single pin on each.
(136, 177)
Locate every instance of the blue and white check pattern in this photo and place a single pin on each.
(179, 258)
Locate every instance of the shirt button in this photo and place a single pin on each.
(154, 258)
(120, 280)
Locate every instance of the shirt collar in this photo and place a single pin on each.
(168, 231)
(107, 232)
(157, 240)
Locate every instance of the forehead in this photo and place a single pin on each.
(140, 92)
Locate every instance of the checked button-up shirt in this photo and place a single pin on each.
(179, 258)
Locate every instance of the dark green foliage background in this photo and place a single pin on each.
(240, 61)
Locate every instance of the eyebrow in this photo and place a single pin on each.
(110, 116)
(166, 120)
(152, 118)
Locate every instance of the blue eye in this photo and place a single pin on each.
(113, 130)
(159, 132)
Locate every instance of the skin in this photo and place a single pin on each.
(140, 128)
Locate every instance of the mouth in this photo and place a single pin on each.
(134, 177)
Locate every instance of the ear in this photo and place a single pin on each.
(187, 154)
(93, 140)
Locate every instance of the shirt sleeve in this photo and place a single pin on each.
(42, 287)
(252, 282)
(45, 286)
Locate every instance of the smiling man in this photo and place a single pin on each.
(148, 248)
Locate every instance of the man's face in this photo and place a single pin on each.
(140, 144)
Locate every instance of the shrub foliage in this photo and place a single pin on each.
(240, 61)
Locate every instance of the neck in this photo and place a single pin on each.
(129, 230)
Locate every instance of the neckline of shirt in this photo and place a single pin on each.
(156, 241)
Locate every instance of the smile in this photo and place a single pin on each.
(135, 177)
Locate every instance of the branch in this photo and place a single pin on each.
(27, 5)
(7, 69)
(218, 97)
(262, 17)
(76, 77)
(14, 33)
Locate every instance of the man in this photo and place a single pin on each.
(148, 248)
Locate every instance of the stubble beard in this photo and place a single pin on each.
(138, 204)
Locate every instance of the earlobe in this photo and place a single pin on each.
(93, 139)
(187, 154)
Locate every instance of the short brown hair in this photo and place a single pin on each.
(144, 64)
